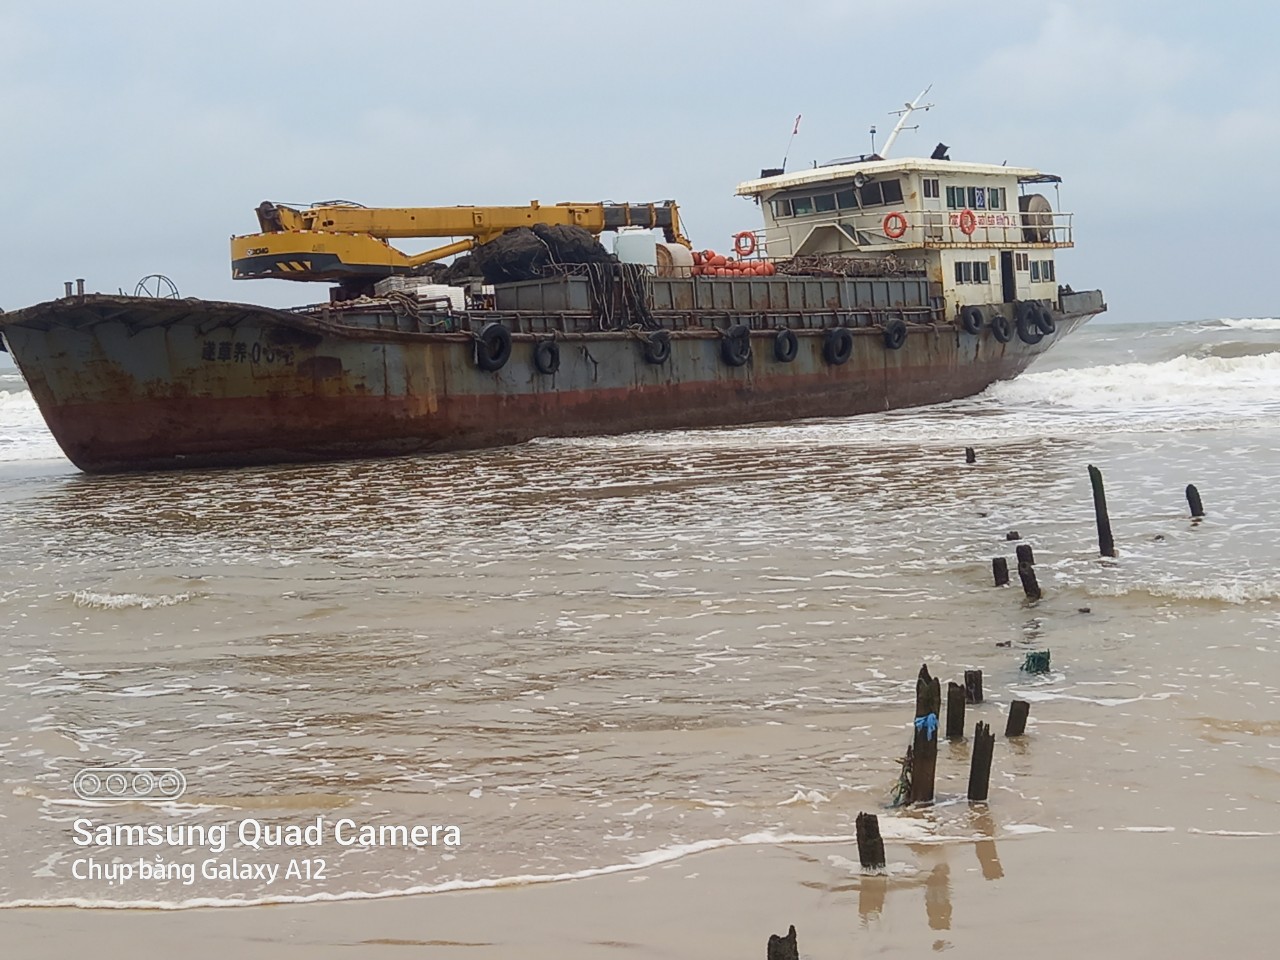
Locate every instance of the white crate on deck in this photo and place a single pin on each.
(456, 297)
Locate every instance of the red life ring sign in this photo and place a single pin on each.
(744, 243)
(895, 225)
(968, 222)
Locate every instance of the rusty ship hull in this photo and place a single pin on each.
(138, 384)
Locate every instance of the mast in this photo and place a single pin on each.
(902, 119)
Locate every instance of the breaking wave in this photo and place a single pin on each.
(23, 434)
(126, 601)
(1233, 592)
(1225, 382)
(1249, 323)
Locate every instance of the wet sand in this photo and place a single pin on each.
(1051, 895)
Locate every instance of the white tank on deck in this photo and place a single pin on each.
(674, 260)
(636, 245)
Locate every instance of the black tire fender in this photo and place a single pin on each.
(971, 320)
(493, 347)
(1000, 328)
(546, 356)
(1025, 321)
(1045, 322)
(786, 345)
(895, 334)
(735, 348)
(837, 346)
(657, 348)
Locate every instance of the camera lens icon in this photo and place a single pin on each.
(129, 783)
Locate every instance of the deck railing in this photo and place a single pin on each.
(918, 229)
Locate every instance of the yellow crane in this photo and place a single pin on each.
(347, 242)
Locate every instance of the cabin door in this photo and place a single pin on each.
(1008, 279)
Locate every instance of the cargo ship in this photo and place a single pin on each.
(870, 284)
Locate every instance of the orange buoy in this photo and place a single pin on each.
(697, 258)
(717, 260)
(968, 222)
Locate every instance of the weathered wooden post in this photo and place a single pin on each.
(1017, 723)
(955, 711)
(1013, 535)
(783, 948)
(973, 686)
(970, 456)
(1030, 586)
(1000, 571)
(1106, 544)
(924, 747)
(984, 744)
(870, 844)
(1025, 554)
(1193, 501)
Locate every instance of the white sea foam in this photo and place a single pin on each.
(23, 434)
(1232, 591)
(1214, 382)
(902, 829)
(1251, 323)
(126, 601)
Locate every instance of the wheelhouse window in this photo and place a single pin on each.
(930, 188)
(1042, 270)
(976, 198)
(802, 206)
(891, 191)
(824, 202)
(846, 199)
(869, 194)
(973, 271)
(781, 208)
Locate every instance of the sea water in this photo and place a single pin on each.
(586, 656)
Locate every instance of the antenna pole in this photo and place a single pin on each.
(794, 130)
(902, 118)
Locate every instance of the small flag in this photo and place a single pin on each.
(796, 128)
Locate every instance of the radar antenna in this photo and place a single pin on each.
(902, 119)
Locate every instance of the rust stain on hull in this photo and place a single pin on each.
(230, 389)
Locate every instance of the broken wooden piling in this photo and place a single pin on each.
(1013, 535)
(1106, 543)
(1000, 571)
(924, 746)
(783, 948)
(870, 844)
(955, 711)
(970, 456)
(973, 686)
(1030, 585)
(1025, 554)
(1193, 501)
(984, 743)
(1016, 725)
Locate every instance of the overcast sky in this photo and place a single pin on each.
(137, 137)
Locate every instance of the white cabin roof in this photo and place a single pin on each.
(870, 168)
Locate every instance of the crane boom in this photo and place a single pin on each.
(347, 242)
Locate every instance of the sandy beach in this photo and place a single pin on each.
(1061, 895)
